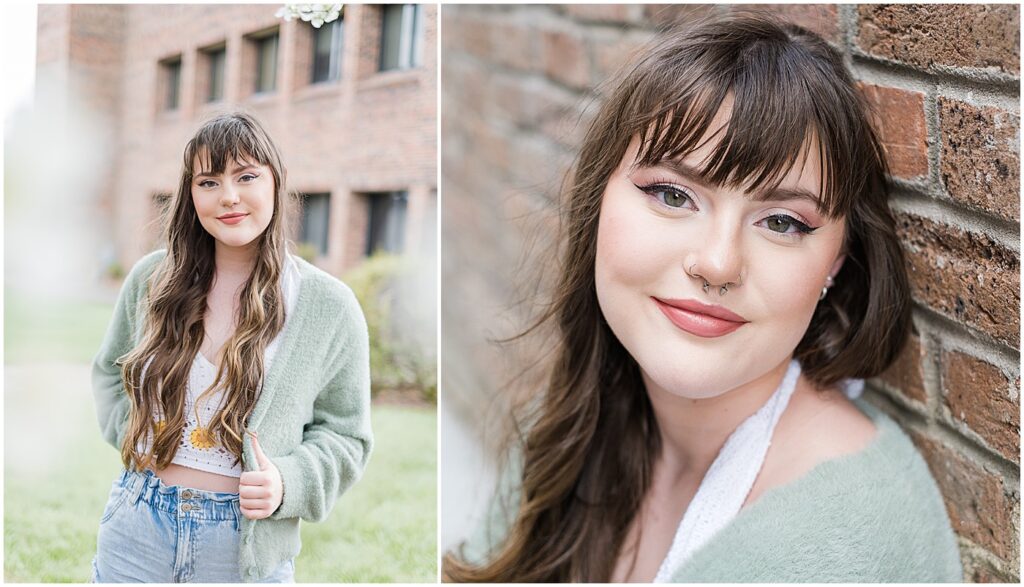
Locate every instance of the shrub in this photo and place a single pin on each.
(401, 317)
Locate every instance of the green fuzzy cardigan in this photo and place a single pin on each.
(875, 516)
(312, 416)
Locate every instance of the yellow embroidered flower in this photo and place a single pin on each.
(158, 427)
(202, 439)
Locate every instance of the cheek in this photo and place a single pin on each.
(628, 250)
(201, 206)
(263, 204)
(788, 291)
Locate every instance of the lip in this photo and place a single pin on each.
(700, 319)
(233, 218)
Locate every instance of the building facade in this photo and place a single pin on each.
(351, 105)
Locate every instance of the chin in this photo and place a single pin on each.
(695, 383)
(236, 241)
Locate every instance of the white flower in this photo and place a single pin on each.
(315, 14)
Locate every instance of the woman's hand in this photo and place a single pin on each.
(260, 492)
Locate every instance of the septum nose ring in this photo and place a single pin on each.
(722, 289)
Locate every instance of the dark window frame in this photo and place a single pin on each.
(410, 37)
(322, 245)
(215, 56)
(387, 214)
(319, 73)
(260, 42)
(170, 70)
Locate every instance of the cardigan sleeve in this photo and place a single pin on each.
(336, 443)
(112, 402)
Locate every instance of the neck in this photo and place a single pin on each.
(234, 263)
(693, 431)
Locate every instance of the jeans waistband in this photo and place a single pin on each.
(145, 486)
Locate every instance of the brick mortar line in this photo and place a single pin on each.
(977, 552)
(933, 130)
(963, 335)
(952, 213)
(848, 22)
(931, 364)
(962, 79)
(1005, 95)
(936, 429)
(903, 414)
(911, 406)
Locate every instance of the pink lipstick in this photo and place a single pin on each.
(700, 319)
(233, 218)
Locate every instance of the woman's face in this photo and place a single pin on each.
(662, 233)
(235, 207)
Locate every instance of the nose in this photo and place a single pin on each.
(717, 257)
(229, 195)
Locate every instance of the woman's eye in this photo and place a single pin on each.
(670, 196)
(783, 224)
(204, 183)
(249, 175)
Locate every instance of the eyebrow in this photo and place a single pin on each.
(778, 194)
(235, 170)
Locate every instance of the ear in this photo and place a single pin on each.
(837, 265)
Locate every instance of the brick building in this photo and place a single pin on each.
(519, 85)
(352, 107)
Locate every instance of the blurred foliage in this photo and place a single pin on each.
(307, 251)
(398, 360)
(115, 271)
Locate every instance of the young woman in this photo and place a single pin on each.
(730, 265)
(234, 379)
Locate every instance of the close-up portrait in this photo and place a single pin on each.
(220, 338)
(730, 294)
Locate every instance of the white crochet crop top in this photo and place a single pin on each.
(198, 449)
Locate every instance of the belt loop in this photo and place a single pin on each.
(134, 486)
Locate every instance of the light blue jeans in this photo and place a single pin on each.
(154, 533)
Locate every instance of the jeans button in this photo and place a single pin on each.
(186, 507)
(186, 494)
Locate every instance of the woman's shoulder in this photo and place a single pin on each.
(147, 264)
(873, 515)
(138, 277)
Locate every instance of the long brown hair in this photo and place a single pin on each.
(176, 304)
(586, 456)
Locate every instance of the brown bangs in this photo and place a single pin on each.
(783, 104)
(222, 140)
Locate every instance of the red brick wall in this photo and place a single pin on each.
(367, 132)
(517, 91)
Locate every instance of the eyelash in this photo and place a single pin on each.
(203, 183)
(656, 188)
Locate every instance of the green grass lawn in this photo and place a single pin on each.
(54, 331)
(57, 470)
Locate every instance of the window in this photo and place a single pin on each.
(402, 36)
(266, 63)
(171, 72)
(315, 216)
(215, 59)
(387, 222)
(327, 41)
